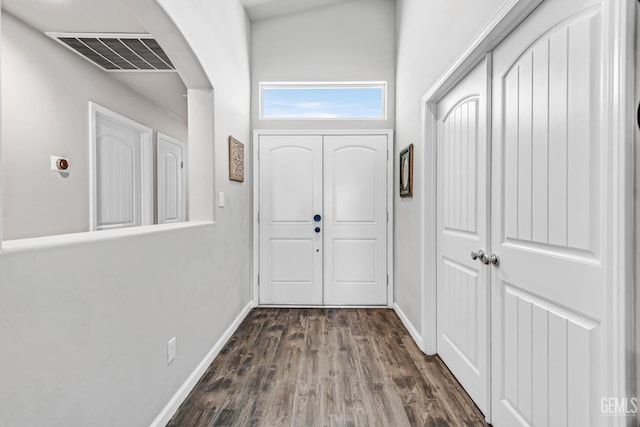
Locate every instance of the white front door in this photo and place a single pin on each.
(462, 221)
(549, 289)
(170, 182)
(355, 222)
(323, 219)
(290, 198)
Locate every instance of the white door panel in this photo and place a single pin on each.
(290, 197)
(549, 289)
(118, 174)
(355, 223)
(462, 283)
(121, 175)
(170, 183)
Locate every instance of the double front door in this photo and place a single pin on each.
(323, 219)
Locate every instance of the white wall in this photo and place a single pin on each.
(219, 33)
(431, 34)
(352, 41)
(85, 324)
(45, 93)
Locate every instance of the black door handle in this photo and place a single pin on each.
(317, 229)
(317, 218)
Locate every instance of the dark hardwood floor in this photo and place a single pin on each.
(326, 367)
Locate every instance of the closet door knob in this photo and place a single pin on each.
(491, 260)
(477, 254)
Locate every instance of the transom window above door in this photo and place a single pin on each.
(323, 101)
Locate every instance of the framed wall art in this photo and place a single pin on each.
(236, 160)
(406, 172)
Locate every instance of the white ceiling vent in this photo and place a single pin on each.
(117, 52)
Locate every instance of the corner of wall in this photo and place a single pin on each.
(181, 395)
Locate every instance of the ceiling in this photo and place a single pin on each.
(113, 16)
(265, 9)
(103, 16)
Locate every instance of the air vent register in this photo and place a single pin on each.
(117, 52)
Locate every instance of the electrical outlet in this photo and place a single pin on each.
(171, 350)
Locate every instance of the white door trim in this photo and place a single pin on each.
(146, 151)
(256, 197)
(619, 30)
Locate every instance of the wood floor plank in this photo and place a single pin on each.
(383, 402)
(306, 409)
(399, 369)
(253, 377)
(333, 406)
(325, 367)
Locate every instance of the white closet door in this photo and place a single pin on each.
(549, 298)
(170, 182)
(355, 223)
(290, 197)
(118, 175)
(462, 282)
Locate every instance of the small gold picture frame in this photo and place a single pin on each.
(406, 172)
(236, 160)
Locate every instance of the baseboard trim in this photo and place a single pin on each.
(407, 324)
(321, 306)
(170, 409)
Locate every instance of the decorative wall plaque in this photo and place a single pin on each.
(236, 160)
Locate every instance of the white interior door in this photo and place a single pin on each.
(549, 290)
(170, 183)
(355, 223)
(462, 221)
(290, 198)
(122, 175)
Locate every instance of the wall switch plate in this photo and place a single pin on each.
(171, 350)
(221, 199)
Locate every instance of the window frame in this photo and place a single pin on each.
(323, 85)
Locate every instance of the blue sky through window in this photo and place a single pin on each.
(323, 102)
